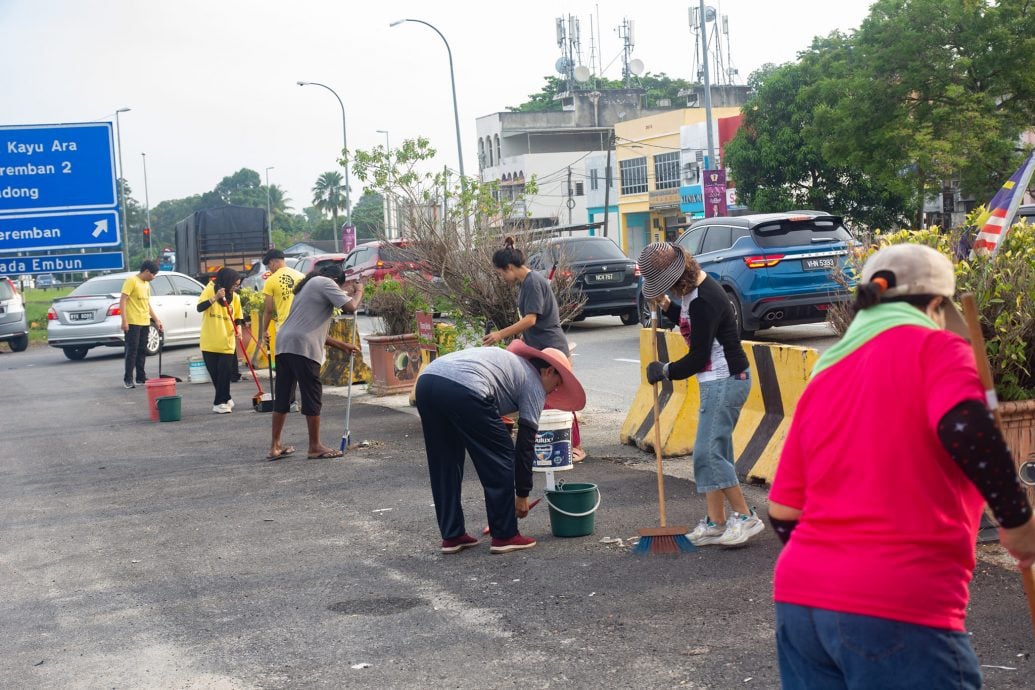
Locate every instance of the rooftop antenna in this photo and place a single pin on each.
(626, 31)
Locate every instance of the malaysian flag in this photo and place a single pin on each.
(1001, 210)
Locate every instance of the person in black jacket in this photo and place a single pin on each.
(718, 361)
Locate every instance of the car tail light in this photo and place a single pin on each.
(764, 261)
(114, 310)
(14, 285)
(636, 270)
(51, 314)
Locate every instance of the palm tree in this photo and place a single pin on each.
(329, 194)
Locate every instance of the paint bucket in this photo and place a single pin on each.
(197, 372)
(573, 507)
(157, 388)
(553, 442)
(168, 408)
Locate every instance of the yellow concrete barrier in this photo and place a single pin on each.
(335, 370)
(678, 401)
(778, 377)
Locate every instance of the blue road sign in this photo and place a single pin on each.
(74, 230)
(60, 263)
(56, 167)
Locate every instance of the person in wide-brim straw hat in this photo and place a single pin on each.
(461, 398)
(718, 361)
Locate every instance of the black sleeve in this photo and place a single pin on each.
(783, 528)
(203, 306)
(523, 457)
(704, 324)
(969, 434)
(673, 311)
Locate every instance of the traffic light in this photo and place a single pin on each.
(147, 241)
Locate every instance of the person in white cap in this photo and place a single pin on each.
(878, 494)
(718, 361)
(460, 398)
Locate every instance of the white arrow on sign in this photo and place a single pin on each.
(99, 227)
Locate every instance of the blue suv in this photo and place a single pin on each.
(775, 267)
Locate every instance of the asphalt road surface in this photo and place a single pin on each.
(136, 554)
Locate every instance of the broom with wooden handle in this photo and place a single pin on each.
(977, 342)
(661, 539)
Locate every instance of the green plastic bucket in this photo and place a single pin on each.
(168, 408)
(573, 507)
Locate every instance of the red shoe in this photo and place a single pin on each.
(513, 544)
(460, 543)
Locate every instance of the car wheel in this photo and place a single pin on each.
(20, 343)
(76, 353)
(645, 311)
(154, 340)
(738, 315)
(630, 317)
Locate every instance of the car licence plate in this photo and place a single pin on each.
(823, 263)
(80, 315)
(604, 278)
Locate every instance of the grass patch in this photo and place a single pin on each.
(37, 302)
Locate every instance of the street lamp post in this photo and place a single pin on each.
(122, 195)
(269, 216)
(456, 113)
(390, 195)
(345, 150)
(147, 205)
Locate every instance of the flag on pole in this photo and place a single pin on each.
(1002, 208)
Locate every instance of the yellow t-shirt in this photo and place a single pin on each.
(138, 300)
(280, 287)
(217, 331)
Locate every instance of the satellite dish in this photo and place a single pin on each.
(636, 66)
(582, 73)
(563, 64)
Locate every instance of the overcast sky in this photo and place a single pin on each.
(212, 83)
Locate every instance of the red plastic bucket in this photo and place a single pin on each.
(158, 388)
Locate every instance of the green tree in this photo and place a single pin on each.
(655, 86)
(369, 216)
(329, 195)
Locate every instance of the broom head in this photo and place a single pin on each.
(660, 540)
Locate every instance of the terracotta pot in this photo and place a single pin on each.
(1019, 432)
(394, 363)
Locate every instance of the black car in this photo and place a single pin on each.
(605, 275)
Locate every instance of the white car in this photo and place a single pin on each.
(89, 317)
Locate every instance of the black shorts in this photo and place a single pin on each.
(292, 369)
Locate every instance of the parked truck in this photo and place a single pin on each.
(230, 236)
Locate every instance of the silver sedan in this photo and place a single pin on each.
(89, 317)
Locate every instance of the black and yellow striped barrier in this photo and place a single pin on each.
(778, 376)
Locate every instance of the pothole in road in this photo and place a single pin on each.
(385, 606)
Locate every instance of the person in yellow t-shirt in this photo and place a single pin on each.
(218, 339)
(279, 289)
(137, 315)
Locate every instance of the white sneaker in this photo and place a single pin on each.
(706, 532)
(230, 403)
(221, 409)
(740, 528)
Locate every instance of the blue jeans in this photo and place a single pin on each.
(721, 402)
(824, 650)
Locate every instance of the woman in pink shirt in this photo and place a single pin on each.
(879, 491)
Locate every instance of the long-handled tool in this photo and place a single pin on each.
(161, 342)
(661, 539)
(259, 401)
(346, 434)
(977, 343)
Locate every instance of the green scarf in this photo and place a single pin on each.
(867, 325)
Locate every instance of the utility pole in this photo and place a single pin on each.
(607, 182)
(707, 88)
(571, 200)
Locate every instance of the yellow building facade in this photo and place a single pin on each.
(651, 156)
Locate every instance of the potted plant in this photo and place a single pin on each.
(394, 346)
(1003, 286)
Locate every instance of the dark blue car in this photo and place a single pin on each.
(777, 268)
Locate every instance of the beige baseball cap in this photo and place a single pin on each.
(918, 270)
